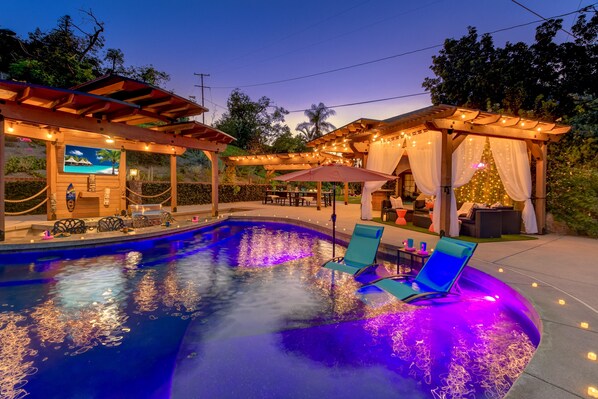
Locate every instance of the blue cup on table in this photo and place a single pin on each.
(423, 246)
(410, 243)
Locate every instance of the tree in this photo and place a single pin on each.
(10, 49)
(116, 61)
(254, 124)
(147, 74)
(67, 55)
(572, 195)
(316, 125)
(286, 142)
(536, 80)
(64, 57)
(112, 156)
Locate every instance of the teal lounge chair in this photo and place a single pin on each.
(437, 276)
(361, 252)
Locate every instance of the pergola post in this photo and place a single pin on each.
(122, 180)
(446, 173)
(319, 196)
(540, 206)
(173, 183)
(213, 157)
(346, 193)
(51, 177)
(2, 181)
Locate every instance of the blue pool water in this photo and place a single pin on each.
(238, 311)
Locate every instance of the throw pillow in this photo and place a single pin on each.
(396, 202)
(465, 209)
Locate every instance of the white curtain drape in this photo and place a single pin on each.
(382, 157)
(465, 160)
(424, 158)
(513, 168)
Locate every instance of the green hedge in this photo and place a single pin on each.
(201, 193)
(20, 189)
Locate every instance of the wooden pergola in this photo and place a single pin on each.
(455, 124)
(111, 112)
(289, 161)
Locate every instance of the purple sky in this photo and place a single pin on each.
(243, 43)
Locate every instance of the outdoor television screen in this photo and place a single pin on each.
(91, 160)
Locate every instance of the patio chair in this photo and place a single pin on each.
(71, 226)
(110, 223)
(361, 252)
(436, 278)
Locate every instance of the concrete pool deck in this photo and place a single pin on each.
(563, 268)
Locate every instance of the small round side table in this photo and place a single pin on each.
(401, 216)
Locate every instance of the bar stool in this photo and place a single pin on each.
(401, 216)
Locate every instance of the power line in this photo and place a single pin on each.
(313, 44)
(389, 57)
(538, 15)
(332, 70)
(368, 101)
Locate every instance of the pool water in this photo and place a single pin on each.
(240, 310)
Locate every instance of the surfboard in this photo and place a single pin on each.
(71, 197)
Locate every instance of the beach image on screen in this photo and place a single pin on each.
(91, 160)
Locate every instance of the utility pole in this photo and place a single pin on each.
(201, 75)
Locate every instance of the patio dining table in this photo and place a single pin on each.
(296, 196)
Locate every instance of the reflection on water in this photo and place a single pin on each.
(15, 355)
(196, 306)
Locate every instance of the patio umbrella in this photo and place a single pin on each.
(335, 173)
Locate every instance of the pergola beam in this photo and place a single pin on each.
(37, 115)
(23, 95)
(61, 102)
(287, 167)
(486, 130)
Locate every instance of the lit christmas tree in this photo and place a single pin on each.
(485, 186)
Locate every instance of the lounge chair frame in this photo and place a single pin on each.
(339, 263)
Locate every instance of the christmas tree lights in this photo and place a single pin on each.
(485, 186)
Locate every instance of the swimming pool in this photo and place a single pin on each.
(236, 311)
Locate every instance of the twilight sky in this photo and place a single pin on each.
(243, 42)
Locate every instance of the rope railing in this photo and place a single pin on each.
(149, 196)
(28, 210)
(26, 199)
(166, 200)
(133, 202)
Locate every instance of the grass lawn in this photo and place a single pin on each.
(352, 200)
(505, 237)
